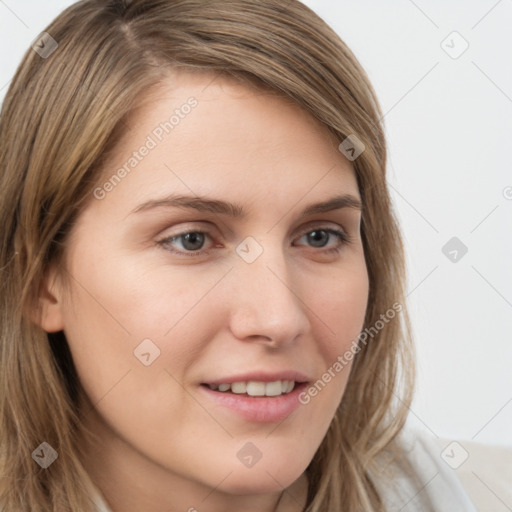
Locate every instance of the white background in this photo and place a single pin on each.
(449, 128)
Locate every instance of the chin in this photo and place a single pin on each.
(253, 485)
(263, 478)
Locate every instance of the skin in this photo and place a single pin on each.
(164, 445)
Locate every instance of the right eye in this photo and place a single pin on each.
(190, 243)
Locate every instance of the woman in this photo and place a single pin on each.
(203, 279)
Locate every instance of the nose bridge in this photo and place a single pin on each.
(267, 305)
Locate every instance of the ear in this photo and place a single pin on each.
(48, 309)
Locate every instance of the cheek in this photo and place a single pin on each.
(340, 306)
(339, 309)
(118, 313)
(118, 304)
(154, 297)
(137, 294)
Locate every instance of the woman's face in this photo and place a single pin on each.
(205, 271)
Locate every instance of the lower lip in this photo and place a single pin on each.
(259, 409)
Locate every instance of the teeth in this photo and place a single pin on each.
(255, 388)
(239, 387)
(275, 388)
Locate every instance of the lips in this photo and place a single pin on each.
(258, 396)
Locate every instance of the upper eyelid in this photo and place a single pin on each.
(321, 225)
(310, 226)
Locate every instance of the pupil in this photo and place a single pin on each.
(318, 238)
(193, 241)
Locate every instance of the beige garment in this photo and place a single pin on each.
(485, 473)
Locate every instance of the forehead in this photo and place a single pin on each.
(202, 134)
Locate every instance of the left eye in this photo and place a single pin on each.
(320, 237)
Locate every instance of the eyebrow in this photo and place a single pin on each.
(203, 204)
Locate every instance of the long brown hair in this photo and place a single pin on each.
(64, 112)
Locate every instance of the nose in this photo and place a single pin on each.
(266, 307)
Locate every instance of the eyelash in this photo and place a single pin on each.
(343, 237)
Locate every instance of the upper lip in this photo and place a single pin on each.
(262, 376)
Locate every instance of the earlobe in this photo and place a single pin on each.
(47, 312)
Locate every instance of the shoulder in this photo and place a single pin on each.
(419, 477)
